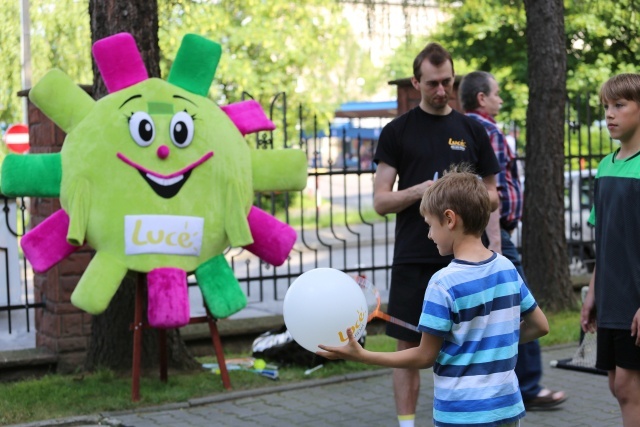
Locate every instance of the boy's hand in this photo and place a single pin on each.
(635, 327)
(588, 313)
(352, 351)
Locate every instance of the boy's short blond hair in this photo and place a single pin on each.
(621, 86)
(464, 193)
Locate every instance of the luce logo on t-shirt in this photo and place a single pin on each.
(457, 145)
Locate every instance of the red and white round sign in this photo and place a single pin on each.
(17, 138)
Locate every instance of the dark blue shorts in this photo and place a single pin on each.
(406, 294)
(616, 347)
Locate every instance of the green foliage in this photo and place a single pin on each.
(602, 39)
(2, 155)
(60, 38)
(10, 105)
(302, 48)
(586, 146)
(490, 36)
(400, 64)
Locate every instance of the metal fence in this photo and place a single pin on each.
(334, 217)
(16, 296)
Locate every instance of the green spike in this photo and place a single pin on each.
(63, 101)
(195, 64)
(220, 288)
(278, 170)
(34, 175)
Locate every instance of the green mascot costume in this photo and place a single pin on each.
(157, 178)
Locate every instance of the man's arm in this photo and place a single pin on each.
(492, 188)
(588, 312)
(635, 327)
(493, 232)
(534, 325)
(385, 200)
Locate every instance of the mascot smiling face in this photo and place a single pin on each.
(168, 162)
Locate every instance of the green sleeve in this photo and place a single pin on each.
(79, 202)
(236, 223)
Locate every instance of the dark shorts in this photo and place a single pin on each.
(616, 347)
(406, 294)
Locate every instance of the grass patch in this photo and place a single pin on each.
(564, 327)
(59, 396)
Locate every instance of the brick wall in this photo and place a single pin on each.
(60, 326)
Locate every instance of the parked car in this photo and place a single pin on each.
(578, 200)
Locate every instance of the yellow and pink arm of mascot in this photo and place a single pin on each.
(273, 170)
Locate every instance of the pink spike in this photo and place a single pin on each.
(119, 61)
(272, 238)
(168, 298)
(248, 117)
(46, 244)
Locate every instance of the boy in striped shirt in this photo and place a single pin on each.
(475, 312)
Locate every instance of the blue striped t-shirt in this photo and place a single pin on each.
(476, 309)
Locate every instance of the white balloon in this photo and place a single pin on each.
(320, 305)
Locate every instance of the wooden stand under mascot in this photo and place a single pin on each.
(156, 178)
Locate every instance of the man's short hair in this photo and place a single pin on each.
(435, 54)
(464, 193)
(621, 86)
(472, 84)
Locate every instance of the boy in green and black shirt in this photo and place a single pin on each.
(613, 300)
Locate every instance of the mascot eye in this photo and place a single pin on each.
(141, 128)
(181, 129)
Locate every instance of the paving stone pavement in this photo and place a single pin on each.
(364, 399)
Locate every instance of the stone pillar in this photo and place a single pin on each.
(61, 327)
(408, 96)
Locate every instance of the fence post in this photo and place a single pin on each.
(9, 261)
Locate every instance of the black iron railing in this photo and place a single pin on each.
(334, 217)
(16, 301)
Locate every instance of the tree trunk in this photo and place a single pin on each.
(111, 338)
(545, 257)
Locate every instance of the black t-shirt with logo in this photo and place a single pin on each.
(418, 145)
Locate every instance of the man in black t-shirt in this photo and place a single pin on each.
(416, 148)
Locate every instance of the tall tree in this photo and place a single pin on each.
(111, 339)
(543, 218)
